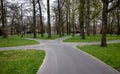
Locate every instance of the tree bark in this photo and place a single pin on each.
(4, 28)
(59, 18)
(48, 13)
(41, 21)
(118, 21)
(88, 17)
(104, 23)
(81, 19)
(34, 19)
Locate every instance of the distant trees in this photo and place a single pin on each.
(67, 16)
(59, 14)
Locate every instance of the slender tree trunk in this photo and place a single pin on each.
(59, 18)
(108, 26)
(22, 31)
(88, 17)
(118, 21)
(67, 16)
(34, 19)
(73, 23)
(111, 27)
(73, 17)
(48, 13)
(81, 19)
(4, 28)
(12, 30)
(69, 28)
(104, 23)
(57, 26)
(62, 23)
(41, 21)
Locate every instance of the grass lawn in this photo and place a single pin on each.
(53, 36)
(20, 61)
(15, 41)
(91, 38)
(110, 54)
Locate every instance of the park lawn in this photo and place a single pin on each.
(21, 61)
(90, 38)
(110, 55)
(53, 36)
(15, 41)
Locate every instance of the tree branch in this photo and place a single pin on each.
(110, 1)
(115, 6)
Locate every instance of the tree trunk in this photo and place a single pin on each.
(94, 27)
(104, 23)
(88, 17)
(67, 25)
(73, 21)
(4, 28)
(118, 21)
(34, 19)
(81, 19)
(48, 13)
(41, 21)
(59, 18)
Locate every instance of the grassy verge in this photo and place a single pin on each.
(110, 54)
(15, 41)
(91, 38)
(20, 61)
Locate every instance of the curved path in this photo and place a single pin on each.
(65, 58)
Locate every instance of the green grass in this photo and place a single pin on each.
(15, 41)
(91, 38)
(110, 54)
(20, 61)
(53, 36)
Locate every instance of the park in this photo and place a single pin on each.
(59, 37)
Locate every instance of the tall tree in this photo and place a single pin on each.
(41, 20)
(68, 28)
(59, 18)
(81, 18)
(118, 20)
(104, 22)
(48, 16)
(4, 28)
(106, 3)
(34, 18)
(88, 17)
(73, 18)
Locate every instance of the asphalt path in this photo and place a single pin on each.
(65, 58)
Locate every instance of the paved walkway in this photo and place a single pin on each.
(65, 58)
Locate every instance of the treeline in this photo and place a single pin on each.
(64, 16)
